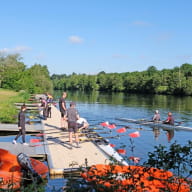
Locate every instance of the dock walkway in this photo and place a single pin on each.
(55, 146)
(60, 157)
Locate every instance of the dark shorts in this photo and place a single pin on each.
(63, 113)
(72, 127)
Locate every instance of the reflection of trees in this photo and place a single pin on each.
(149, 101)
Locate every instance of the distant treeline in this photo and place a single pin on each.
(16, 76)
(177, 81)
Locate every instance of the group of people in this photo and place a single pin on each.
(46, 103)
(169, 120)
(71, 120)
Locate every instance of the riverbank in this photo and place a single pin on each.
(8, 111)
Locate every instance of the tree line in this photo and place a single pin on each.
(176, 81)
(16, 76)
(36, 79)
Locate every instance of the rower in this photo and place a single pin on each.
(170, 119)
(82, 123)
(156, 116)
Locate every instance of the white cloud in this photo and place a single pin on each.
(17, 49)
(75, 39)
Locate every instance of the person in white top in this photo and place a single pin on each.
(82, 123)
(156, 116)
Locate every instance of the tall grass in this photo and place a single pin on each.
(8, 111)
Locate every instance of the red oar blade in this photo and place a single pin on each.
(135, 134)
(35, 140)
(112, 126)
(121, 151)
(104, 124)
(112, 145)
(121, 130)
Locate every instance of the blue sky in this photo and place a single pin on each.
(89, 36)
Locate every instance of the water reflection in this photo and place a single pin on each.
(173, 103)
(156, 132)
(170, 134)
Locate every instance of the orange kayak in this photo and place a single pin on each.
(11, 173)
(122, 178)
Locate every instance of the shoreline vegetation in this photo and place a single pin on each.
(15, 75)
(176, 81)
(17, 82)
(8, 111)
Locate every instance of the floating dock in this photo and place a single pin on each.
(60, 157)
(35, 152)
(55, 146)
(35, 128)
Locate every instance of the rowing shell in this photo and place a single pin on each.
(155, 124)
(105, 147)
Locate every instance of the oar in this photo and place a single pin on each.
(179, 122)
(82, 134)
(86, 139)
(109, 137)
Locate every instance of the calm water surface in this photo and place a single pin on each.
(100, 107)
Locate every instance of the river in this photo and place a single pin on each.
(101, 107)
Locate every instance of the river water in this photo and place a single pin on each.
(101, 107)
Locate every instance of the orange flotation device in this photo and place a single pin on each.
(11, 171)
(133, 178)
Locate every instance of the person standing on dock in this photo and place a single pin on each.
(170, 119)
(44, 106)
(72, 116)
(21, 125)
(62, 108)
(49, 103)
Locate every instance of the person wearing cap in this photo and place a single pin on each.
(156, 116)
(72, 116)
(170, 119)
(62, 108)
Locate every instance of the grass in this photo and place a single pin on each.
(8, 111)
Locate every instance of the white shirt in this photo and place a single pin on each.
(81, 120)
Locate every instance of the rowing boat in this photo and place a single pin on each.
(155, 124)
(106, 148)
